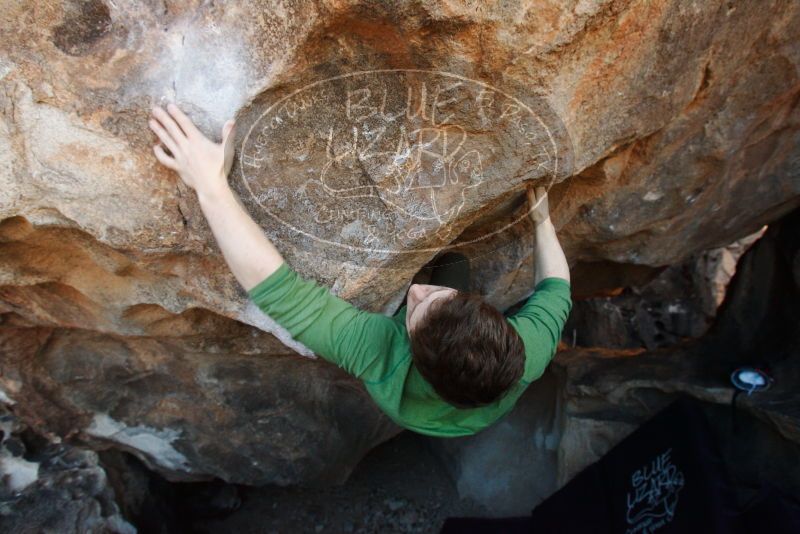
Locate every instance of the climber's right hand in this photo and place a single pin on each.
(539, 210)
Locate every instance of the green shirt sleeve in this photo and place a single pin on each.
(334, 329)
(540, 323)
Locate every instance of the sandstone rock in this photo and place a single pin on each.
(662, 129)
(53, 487)
(194, 407)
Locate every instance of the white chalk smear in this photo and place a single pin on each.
(6, 66)
(156, 443)
(18, 473)
(205, 68)
(675, 308)
(5, 398)
(253, 316)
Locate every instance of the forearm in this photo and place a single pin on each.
(249, 253)
(549, 259)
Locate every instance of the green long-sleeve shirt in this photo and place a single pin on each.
(375, 348)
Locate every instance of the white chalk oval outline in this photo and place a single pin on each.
(554, 174)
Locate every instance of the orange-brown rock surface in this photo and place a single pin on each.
(662, 128)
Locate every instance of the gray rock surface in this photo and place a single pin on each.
(193, 407)
(53, 487)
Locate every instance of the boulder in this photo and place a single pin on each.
(194, 407)
(370, 136)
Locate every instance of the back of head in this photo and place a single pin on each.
(467, 350)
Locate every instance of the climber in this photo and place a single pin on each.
(446, 364)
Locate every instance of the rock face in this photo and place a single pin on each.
(607, 393)
(679, 303)
(193, 406)
(661, 129)
(53, 487)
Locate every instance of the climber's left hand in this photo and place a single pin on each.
(201, 163)
(539, 209)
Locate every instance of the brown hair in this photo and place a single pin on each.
(467, 350)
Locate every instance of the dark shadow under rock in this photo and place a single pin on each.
(678, 303)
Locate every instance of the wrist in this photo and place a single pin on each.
(211, 194)
(543, 223)
(545, 231)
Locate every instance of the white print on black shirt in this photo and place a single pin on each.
(654, 494)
